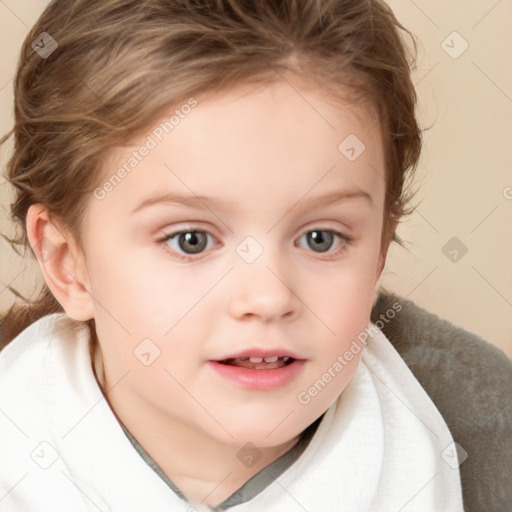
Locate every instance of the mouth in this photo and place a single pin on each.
(258, 369)
(258, 363)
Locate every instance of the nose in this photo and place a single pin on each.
(263, 289)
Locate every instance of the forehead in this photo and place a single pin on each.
(254, 144)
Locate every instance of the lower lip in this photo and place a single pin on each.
(259, 379)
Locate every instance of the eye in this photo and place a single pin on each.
(186, 243)
(321, 240)
(190, 242)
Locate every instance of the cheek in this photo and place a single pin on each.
(130, 288)
(343, 304)
(141, 299)
(346, 291)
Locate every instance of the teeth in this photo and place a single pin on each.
(259, 360)
(259, 363)
(272, 359)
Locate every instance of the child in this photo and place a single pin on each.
(242, 373)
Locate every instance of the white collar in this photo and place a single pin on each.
(381, 446)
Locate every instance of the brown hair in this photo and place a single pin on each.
(119, 62)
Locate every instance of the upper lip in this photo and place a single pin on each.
(258, 352)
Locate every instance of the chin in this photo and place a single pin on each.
(261, 435)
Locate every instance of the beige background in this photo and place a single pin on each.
(465, 173)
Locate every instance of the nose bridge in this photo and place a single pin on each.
(261, 284)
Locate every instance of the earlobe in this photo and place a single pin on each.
(60, 263)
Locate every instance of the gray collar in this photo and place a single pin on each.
(254, 485)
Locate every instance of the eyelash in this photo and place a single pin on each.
(168, 236)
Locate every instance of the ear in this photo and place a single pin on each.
(381, 261)
(62, 264)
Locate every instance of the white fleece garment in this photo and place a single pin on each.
(382, 446)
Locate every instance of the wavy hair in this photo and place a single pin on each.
(119, 62)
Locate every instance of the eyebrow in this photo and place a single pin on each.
(206, 203)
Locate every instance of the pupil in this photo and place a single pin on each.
(319, 237)
(196, 240)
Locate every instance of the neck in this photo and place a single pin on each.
(177, 448)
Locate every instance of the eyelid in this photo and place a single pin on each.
(175, 232)
(329, 255)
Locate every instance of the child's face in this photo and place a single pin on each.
(253, 278)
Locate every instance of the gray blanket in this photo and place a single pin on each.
(470, 381)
